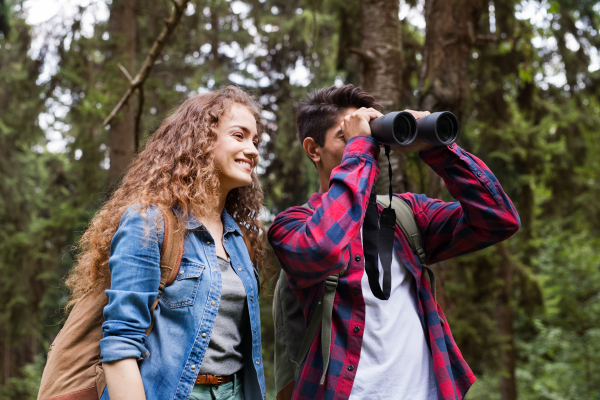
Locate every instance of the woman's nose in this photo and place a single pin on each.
(251, 151)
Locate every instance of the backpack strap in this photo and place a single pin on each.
(322, 317)
(405, 219)
(171, 253)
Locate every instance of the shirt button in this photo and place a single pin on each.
(180, 272)
(204, 335)
(214, 270)
(225, 240)
(350, 367)
(208, 243)
(239, 269)
(212, 303)
(478, 173)
(257, 363)
(355, 293)
(254, 330)
(193, 367)
(451, 145)
(357, 258)
(251, 298)
(356, 329)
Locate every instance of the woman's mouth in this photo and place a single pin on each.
(246, 164)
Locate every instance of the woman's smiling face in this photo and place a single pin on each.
(236, 151)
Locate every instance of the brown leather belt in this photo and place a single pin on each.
(216, 380)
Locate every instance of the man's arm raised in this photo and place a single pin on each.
(482, 215)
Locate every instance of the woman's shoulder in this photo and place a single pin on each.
(148, 216)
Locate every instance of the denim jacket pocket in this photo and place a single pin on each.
(182, 292)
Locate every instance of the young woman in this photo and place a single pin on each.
(201, 164)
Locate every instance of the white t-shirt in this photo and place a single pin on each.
(395, 362)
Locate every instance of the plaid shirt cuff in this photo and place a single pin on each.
(362, 146)
(439, 157)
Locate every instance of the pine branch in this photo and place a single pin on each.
(157, 46)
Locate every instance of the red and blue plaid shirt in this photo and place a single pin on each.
(314, 244)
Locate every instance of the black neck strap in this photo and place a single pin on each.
(378, 241)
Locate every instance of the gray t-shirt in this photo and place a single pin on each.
(223, 355)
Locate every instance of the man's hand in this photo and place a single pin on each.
(357, 123)
(415, 146)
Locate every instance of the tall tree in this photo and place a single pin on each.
(123, 32)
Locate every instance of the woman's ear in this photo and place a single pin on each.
(312, 149)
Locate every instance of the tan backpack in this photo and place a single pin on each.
(74, 370)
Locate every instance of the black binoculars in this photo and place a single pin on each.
(400, 128)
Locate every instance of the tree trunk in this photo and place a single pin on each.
(504, 313)
(380, 51)
(123, 30)
(449, 37)
(381, 73)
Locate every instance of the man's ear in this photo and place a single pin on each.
(312, 149)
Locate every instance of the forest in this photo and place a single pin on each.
(522, 76)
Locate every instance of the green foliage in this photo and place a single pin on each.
(25, 386)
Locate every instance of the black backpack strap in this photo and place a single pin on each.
(405, 218)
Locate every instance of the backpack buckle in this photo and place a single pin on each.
(332, 281)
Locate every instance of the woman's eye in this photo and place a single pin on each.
(255, 144)
(238, 135)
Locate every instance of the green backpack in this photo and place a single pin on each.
(293, 339)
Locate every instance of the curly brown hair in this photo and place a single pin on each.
(175, 169)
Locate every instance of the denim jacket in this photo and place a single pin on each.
(170, 357)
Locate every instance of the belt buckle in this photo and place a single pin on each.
(219, 379)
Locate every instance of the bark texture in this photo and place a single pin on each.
(380, 51)
(123, 29)
(381, 73)
(450, 35)
(505, 318)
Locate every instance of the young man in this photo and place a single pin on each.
(401, 348)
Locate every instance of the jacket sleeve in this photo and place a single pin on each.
(134, 265)
(314, 244)
(482, 215)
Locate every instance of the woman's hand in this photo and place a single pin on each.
(415, 146)
(124, 380)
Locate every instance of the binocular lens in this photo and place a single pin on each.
(445, 128)
(402, 129)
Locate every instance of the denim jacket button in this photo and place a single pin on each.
(204, 335)
(239, 269)
(180, 272)
(212, 303)
(257, 363)
(193, 367)
(208, 243)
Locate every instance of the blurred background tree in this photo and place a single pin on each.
(523, 77)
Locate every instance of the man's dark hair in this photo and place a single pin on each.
(319, 112)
